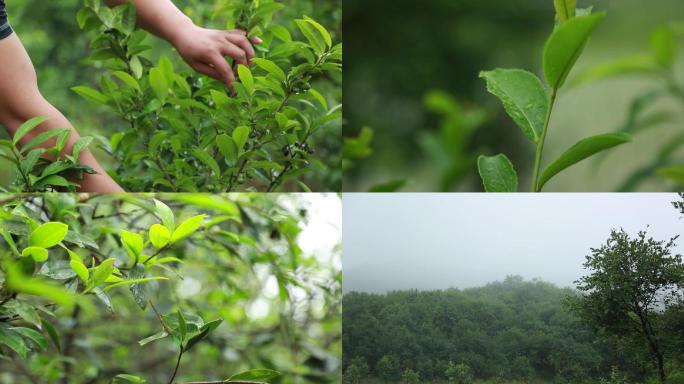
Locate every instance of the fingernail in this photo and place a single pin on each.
(258, 40)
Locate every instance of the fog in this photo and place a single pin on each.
(436, 241)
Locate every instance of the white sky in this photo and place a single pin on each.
(435, 241)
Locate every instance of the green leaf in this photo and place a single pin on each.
(159, 236)
(133, 281)
(80, 269)
(127, 79)
(101, 273)
(13, 340)
(16, 281)
(152, 338)
(132, 242)
(91, 94)
(165, 214)
(39, 254)
(674, 173)
(182, 327)
(240, 136)
(42, 137)
(580, 151)
(126, 378)
(271, 68)
(187, 228)
(246, 78)
(324, 32)
(523, 97)
(564, 47)
(139, 290)
(314, 37)
(209, 161)
(204, 332)
(27, 312)
(158, 83)
(52, 332)
(27, 127)
(48, 234)
(33, 335)
(663, 46)
(81, 144)
(565, 9)
(254, 374)
(631, 65)
(497, 173)
(226, 146)
(390, 186)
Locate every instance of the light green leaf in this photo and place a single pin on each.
(270, 67)
(158, 83)
(564, 47)
(91, 94)
(209, 161)
(226, 146)
(16, 281)
(664, 46)
(324, 32)
(254, 374)
(80, 269)
(126, 378)
(159, 236)
(497, 173)
(132, 242)
(246, 78)
(582, 150)
(27, 127)
(42, 137)
(523, 97)
(48, 234)
(101, 273)
(127, 79)
(165, 214)
(131, 282)
(565, 9)
(39, 254)
(240, 136)
(187, 228)
(80, 145)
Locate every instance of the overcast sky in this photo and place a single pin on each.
(435, 241)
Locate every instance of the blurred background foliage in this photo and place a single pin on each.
(58, 49)
(268, 265)
(413, 68)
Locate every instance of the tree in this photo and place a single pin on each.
(632, 282)
(356, 371)
(459, 373)
(410, 376)
(388, 368)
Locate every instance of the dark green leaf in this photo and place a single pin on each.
(497, 173)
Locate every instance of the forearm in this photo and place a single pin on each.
(159, 17)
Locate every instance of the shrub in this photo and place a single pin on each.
(181, 131)
(162, 276)
(459, 373)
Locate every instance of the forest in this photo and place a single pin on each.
(621, 321)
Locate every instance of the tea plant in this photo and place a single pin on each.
(658, 65)
(58, 252)
(530, 105)
(44, 169)
(358, 148)
(187, 132)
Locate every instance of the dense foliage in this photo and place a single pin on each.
(182, 287)
(166, 122)
(504, 332)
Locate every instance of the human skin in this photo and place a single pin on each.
(203, 49)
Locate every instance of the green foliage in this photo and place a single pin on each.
(231, 279)
(35, 169)
(358, 148)
(530, 105)
(409, 376)
(657, 65)
(186, 132)
(511, 331)
(632, 281)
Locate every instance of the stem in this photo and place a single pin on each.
(175, 370)
(540, 144)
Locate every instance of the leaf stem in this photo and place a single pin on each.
(540, 144)
(175, 370)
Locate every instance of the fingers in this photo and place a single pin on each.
(242, 42)
(218, 68)
(234, 51)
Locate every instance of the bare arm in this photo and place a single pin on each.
(203, 49)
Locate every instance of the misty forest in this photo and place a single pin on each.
(622, 322)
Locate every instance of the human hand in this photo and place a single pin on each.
(205, 50)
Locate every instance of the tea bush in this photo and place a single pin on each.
(530, 105)
(183, 287)
(181, 131)
(43, 169)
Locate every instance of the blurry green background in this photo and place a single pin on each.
(398, 51)
(58, 49)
